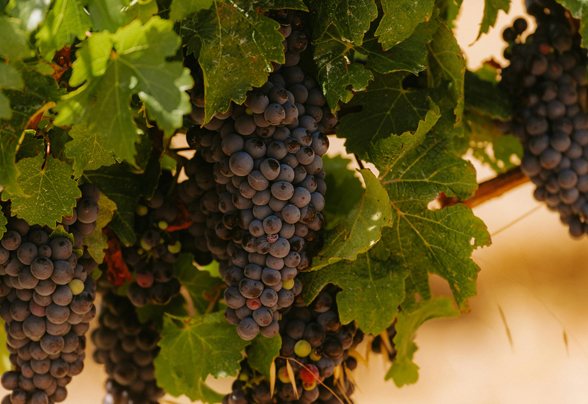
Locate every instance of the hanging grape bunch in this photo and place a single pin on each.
(127, 349)
(315, 344)
(546, 79)
(47, 297)
(158, 225)
(265, 203)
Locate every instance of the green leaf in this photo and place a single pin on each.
(262, 352)
(212, 269)
(491, 8)
(107, 15)
(202, 346)
(409, 55)
(401, 17)
(31, 13)
(404, 370)
(335, 73)
(125, 189)
(50, 191)
(86, 150)
(113, 67)
(9, 78)
(447, 68)
(3, 223)
(362, 227)
(143, 11)
(501, 152)
(66, 21)
(156, 312)
(387, 109)
(238, 46)
(200, 284)
(14, 44)
(97, 241)
(40, 90)
(180, 9)
(352, 18)
(61, 232)
(432, 241)
(30, 146)
(343, 186)
(449, 10)
(371, 290)
(486, 98)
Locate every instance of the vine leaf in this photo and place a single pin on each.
(30, 146)
(486, 98)
(491, 9)
(432, 241)
(362, 227)
(401, 17)
(107, 15)
(97, 241)
(125, 188)
(388, 109)
(404, 370)
(3, 223)
(237, 53)
(156, 312)
(14, 44)
(180, 9)
(335, 73)
(501, 152)
(201, 346)
(352, 18)
(66, 21)
(578, 10)
(409, 55)
(5, 364)
(198, 283)
(143, 11)
(447, 68)
(113, 67)
(86, 150)
(51, 191)
(449, 10)
(371, 290)
(343, 186)
(262, 352)
(30, 13)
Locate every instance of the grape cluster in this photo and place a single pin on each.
(127, 349)
(260, 180)
(378, 345)
(158, 222)
(47, 302)
(315, 343)
(546, 80)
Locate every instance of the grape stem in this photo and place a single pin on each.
(490, 189)
(359, 162)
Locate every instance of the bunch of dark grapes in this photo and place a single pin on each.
(47, 297)
(546, 79)
(159, 225)
(127, 349)
(378, 345)
(260, 177)
(315, 343)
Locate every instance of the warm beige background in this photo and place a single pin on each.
(534, 272)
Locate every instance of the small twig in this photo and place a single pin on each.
(181, 149)
(490, 189)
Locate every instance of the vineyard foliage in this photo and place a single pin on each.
(93, 91)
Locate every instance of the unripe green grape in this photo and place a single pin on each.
(145, 246)
(283, 375)
(162, 225)
(302, 348)
(141, 210)
(288, 284)
(76, 286)
(175, 248)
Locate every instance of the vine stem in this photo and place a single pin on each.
(490, 189)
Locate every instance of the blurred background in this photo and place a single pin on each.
(534, 273)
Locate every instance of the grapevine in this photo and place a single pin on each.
(187, 165)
